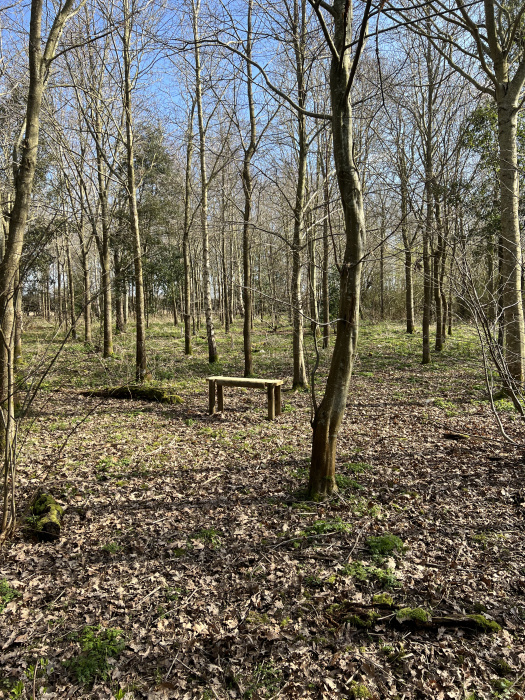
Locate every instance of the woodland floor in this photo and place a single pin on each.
(190, 535)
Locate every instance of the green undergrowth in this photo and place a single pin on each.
(7, 594)
(263, 682)
(97, 646)
(385, 544)
(364, 572)
(209, 536)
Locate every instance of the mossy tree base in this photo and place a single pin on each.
(138, 392)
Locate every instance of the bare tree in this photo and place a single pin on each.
(483, 42)
(329, 414)
(41, 53)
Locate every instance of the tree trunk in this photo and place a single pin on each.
(300, 380)
(140, 358)
(40, 57)
(225, 285)
(103, 244)
(326, 259)
(186, 235)
(409, 284)
(511, 262)
(436, 276)
(247, 186)
(71, 287)
(329, 414)
(312, 281)
(210, 330)
(119, 293)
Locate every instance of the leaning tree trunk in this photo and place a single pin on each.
(40, 56)
(329, 414)
(511, 263)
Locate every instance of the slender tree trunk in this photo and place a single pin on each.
(186, 234)
(409, 284)
(40, 56)
(312, 282)
(225, 297)
(140, 358)
(427, 230)
(119, 293)
(19, 320)
(437, 259)
(329, 414)
(247, 186)
(87, 296)
(103, 243)
(59, 288)
(382, 275)
(71, 286)
(511, 263)
(451, 268)
(206, 274)
(300, 380)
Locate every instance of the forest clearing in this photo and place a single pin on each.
(262, 349)
(191, 565)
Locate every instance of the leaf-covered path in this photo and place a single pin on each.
(189, 534)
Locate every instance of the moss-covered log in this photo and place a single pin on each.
(138, 392)
(365, 616)
(48, 514)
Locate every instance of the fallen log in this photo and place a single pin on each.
(48, 514)
(138, 392)
(364, 616)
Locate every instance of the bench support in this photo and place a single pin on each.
(277, 399)
(273, 392)
(211, 408)
(271, 402)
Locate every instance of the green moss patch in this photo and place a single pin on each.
(385, 544)
(416, 615)
(483, 624)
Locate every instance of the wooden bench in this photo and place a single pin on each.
(272, 386)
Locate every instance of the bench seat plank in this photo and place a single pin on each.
(245, 382)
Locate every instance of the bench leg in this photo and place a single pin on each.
(211, 384)
(220, 397)
(271, 402)
(278, 400)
